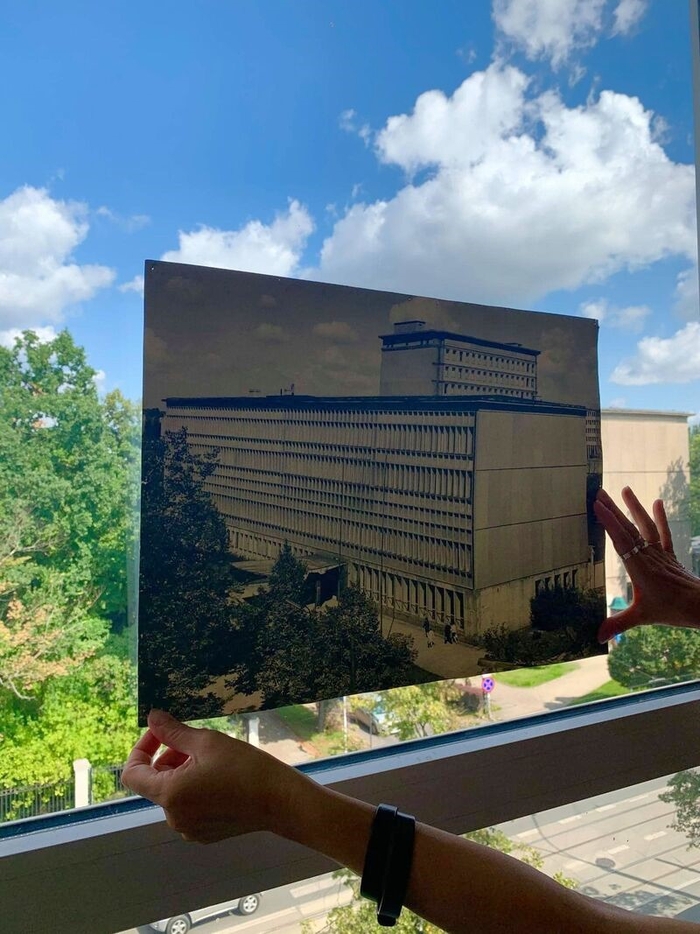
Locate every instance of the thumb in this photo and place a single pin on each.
(621, 622)
(170, 732)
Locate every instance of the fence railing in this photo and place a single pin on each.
(90, 784)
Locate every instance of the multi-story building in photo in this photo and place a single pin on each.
(420, 361)
(454, 508)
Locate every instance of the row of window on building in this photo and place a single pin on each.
(424, 435)
(353, 539)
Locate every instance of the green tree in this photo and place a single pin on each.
(294, 653)
(694, 441)
(90, 713)
(187, 582)
(70, 458)
(67, 483)
(422, 709)
(655, 655)
(684, 793)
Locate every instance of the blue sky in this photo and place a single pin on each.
(530, 153)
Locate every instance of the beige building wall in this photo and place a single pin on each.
(649, 452)
(530, 520)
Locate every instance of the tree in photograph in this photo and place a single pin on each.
(292, 652)
(655, 655)
(684, 793)
(186, 635)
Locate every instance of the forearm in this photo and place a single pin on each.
(459, 885)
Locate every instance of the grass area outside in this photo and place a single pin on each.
(609, 689)
(300, 720)
(532, 677)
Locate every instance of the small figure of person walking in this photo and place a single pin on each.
(453, 634)
(447, 633)
(430, 636)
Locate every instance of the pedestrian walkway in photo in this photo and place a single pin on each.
(446, 661)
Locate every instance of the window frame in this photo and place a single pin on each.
(110, 867)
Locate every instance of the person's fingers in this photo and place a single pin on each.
(662, 525)
(172, 733)
(171, 759)
(645, 524)
(620, 537)
(621, 622)
(138, 773)
(610, 504)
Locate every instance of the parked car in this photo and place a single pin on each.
(373, 717)
(181, 924)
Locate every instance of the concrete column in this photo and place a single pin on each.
(252, 726)
(81, 771)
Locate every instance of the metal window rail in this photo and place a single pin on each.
(110, 867)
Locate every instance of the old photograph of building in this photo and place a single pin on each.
(335, 478)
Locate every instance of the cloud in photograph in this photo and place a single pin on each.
(39, 278)
(674, 359)
(629, 318)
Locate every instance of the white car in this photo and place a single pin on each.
(181, 924)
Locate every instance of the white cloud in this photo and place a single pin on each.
(551, 29)
(274, 248)
(347, 121)
(627, 15)
(38, 278)
(663, 360)
(100, 381)
(133, 285)
(629, 318)
(519, 195)
(44, 334)
(129, 223)
(687, 294)
(617, 403)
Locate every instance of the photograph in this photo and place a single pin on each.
(347, 490)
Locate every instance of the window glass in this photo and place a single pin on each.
(462, 157)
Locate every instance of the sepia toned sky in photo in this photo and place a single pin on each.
(213, 332)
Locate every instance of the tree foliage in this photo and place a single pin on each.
(89, 713)
(293, 653)
(67, 483)
(684, 793)
(422, 709)
(694, 440)
(655, 655)
(187, 582)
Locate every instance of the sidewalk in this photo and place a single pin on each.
(510, 702)
(446, 661)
